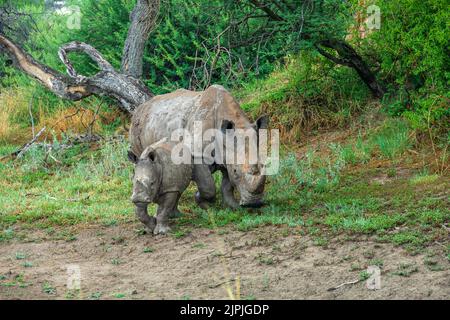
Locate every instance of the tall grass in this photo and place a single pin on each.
(110, 161)
(21, 110)
(390, 141)
(75, 185)
(13, 105)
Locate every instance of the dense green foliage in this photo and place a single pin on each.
(307, 93)
(199, 42)
(195, 43)
(413, 49)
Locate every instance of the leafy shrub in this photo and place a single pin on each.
(306, 93)
(111, 161)
(412, 46)
(392, 139)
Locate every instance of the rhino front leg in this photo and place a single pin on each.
(205, 184)
(166, 206)
(228, 192)
(142, 214)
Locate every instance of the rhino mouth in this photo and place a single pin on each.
(251, 200)
(141, 203)
(255, 204)
(141, 199)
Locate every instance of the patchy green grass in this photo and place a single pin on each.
(17, 280)
(405, 270)
(48, 288)
(329, 200)
(93, 189)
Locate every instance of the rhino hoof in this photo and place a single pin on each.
(161, 229)
(150, 227)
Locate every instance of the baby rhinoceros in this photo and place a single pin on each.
(158, 180)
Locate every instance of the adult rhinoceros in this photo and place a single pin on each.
(215, 108)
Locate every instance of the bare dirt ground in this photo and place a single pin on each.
(266, 263)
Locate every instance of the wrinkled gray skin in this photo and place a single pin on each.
(217, 109)
(157, 180)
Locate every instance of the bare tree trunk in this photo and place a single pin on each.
(143, 18)
(347, 56)
(125, 86)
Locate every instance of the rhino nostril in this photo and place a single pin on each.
(136, 198)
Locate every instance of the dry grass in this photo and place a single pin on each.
(11, 104)
(70, 120)
(304, 97)
(74, 119)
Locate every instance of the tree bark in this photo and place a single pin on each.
(130, 92)
(347, 56)
(125, 86)
(143, 18)
(61, 85)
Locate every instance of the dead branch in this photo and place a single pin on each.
(19, 153)
(124, 86)
(347, 56)
(344, 284)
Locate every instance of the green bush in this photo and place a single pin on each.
(306, 93)
(412, 46)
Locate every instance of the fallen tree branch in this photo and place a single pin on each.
(56, 199)
(89, 50)
(72, 141)
(19, 153)
(130, 92)
(124, 86)
(347, 56)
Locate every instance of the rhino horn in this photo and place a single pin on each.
(255, 183)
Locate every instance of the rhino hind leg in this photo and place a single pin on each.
(228, 192)
(206, 194)
(175, 213)
(149, 222)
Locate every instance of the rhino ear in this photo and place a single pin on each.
(226, 125)
(149, 153)
(152, 155)
(262, 122)
(132, 157)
